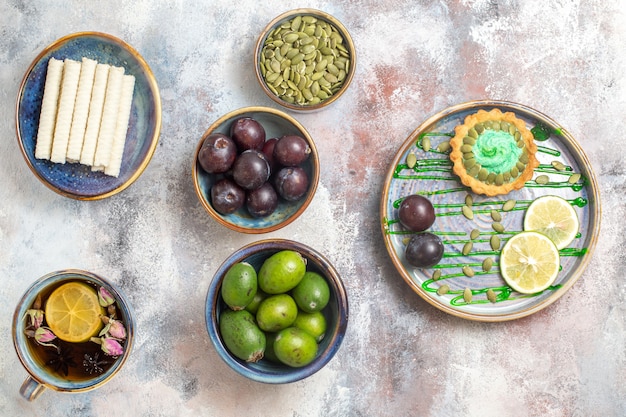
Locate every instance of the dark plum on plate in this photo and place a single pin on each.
(291, 150)
(416, 213)
(247, 134)
(227, 196)
(217, 154)
(251, 170)
(262, 201)
(424, 250)
(291, 183)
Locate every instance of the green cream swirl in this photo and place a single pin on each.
(496, 151)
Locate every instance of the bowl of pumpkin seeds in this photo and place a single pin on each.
(305, 59)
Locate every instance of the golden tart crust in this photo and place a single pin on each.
(492, 184)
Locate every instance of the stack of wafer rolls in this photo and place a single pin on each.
(85, 113)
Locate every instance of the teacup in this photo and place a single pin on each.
(64, 366)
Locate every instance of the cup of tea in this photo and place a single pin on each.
(72, 330)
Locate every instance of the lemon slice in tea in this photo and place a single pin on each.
(554, 217)
(73, 312)
(529, 262)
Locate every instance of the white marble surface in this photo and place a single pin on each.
(400, 357)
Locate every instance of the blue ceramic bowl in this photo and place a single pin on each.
(336, 312)
(276, 124)
(39, 377)
(75, 180)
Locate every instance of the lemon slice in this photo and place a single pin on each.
(529, 262)
(553, 217)
(73, 312)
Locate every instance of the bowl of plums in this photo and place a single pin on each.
(255, 170)
(276, 311)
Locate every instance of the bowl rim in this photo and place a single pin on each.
(314, 180)
(338, 330)
(349, 43)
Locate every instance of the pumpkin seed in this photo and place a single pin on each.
(497, 227)
(483, 174)
(474, 233)
(469, 200)
(467, 295)
(494, 242)
(467, 248)
(479, 127)
(467, 149)
(444, 289)
(469, 141)
(436, 274)
(306, 46)
(487, 264)
(523, 158)
(467, 212)
(574, 178)
(411, 160)
(469, 163)
(514, 172)
(491, 295)
(499, 179)
(542, 179)
(509, 205)
(426, 143)
(559, 166)
(443, 146)
(472, 133)
(496, 216)
(468, 271)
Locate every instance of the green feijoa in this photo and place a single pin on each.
(295, 347)
(281, 272)
(253, 305)
(239, 285)
(312, 323)
(241, 335)
(276, 312)
(269, 354)
(312, 293)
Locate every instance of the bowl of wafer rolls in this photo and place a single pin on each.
(88, 115)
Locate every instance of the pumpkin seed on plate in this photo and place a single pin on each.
(467, 212)
(509, 205)
(444, 289)
(467, 295)
(436, 274)
(497, 226)
(495, 242)
(467, 248)
(496, 216)
(487, 264)
(468, 271)
(491, 295)
(542, 179)
(574, 178)
(474, 233)
(411, 160)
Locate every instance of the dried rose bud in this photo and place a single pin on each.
(104, 297)
(44, 335)
(113, 328)
(35, 316)
(117, 329)
(109, 345)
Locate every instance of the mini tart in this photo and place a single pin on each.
(493, 152)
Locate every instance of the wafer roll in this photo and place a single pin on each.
(109, 118)
(47, 117)
(71, 74)
(81, 110)
(121, 127)
(95, 114)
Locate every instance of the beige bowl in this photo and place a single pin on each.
(304, 59)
